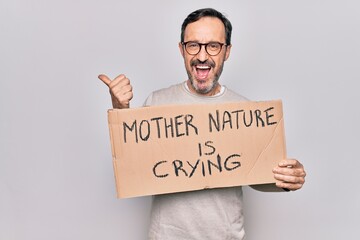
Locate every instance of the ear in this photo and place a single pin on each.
(181, 48)
(227, 53)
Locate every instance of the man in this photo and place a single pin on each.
(214, 213)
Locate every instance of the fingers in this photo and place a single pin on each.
(289, 179)
(122, 91)
(120, 82)
(290, 171)
(105, 79)
(121, 98)
(289, 163)
(289, 174)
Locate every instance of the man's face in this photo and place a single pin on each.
(204, 70)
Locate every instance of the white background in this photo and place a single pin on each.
(56, 176)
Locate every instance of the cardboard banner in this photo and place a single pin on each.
(165, 149)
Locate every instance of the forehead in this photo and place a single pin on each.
(204, 30)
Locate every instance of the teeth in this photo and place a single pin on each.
(202, 67)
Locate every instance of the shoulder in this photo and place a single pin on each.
(231, 95)
(164, 95)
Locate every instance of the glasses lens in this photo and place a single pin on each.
(192, 47)
(213, 48)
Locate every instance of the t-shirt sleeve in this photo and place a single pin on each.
(149, 100)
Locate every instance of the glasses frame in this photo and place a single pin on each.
(203, 44)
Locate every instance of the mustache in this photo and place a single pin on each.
(206, 62)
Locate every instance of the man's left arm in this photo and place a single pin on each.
(289, 176)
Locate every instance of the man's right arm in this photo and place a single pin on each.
(120, 90)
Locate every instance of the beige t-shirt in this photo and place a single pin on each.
(211, 214)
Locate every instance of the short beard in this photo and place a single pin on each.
(205, 90)
(215, 80)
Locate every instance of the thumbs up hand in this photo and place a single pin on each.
(120, 90)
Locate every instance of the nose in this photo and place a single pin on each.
(202, 55)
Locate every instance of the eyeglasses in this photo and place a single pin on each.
(212, 48)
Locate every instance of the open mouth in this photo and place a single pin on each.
(202, 71)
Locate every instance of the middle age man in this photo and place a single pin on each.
(214, 213)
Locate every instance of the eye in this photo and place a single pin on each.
(192, 45)
(213, 46)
